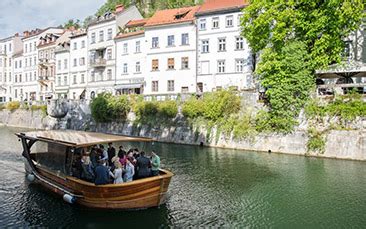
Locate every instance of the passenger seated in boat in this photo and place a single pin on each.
(111, 152)
(129, 171)
(88, 169)
(94, 157)
(136, 153)
(104, 155)
(143, 164)
(155, 163)
(77, 166)
(101, 173)
(117, 173)
(122, 157)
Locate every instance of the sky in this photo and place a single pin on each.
(20, 15)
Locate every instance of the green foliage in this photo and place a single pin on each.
(71, 23)
(287, 77)
(193, 107)
(220, 104)
(347, 108)
(316, 142)
(13, 105)
(106, 108)
(2, 106)
(99, 108)
(245, 127)
(149, 112)
(320, 25)
(110, 6)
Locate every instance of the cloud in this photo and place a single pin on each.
(20, 15)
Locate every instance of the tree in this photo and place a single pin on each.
(71, 23)
(321, 25)
(294, 39)
(110, 6)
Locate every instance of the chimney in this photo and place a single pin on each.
(26, 33)
(16, 35)
(119, 8)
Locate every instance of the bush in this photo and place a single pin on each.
(146, 108)
(168, 109)
(13, 105)
(100, 109)
(245, 127)
(220, 104)
(119, 106)
(316, 141)
(193, 107)
(2, 106)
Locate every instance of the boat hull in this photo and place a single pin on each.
(143, 193)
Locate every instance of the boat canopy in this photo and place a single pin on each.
(79, 138)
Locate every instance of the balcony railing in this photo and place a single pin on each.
(43, 78)
(100, 62)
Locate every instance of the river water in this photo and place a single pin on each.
(211, 187)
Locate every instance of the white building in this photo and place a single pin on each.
(102, 51)
(62, 56)
(17, 92)
(171, 52)
(224, 57)
(78, 65)
(131, 58)
(8, 47)
(31, 87)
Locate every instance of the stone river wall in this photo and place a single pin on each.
(339, 144)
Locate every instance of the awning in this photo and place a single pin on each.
(128, 86)
(344, 69)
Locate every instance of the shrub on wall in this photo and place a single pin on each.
(13, 105)
(119, 106)
(168, 109)
(99, 108)
(193, 107)
(220, 104)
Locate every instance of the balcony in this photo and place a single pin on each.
(98, 63)
(43, 62)
(2, 52)
(44, 78)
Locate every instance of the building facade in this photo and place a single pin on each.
(102, 49)
(8, 47)
(224, 57)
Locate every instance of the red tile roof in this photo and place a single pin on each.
(124, 35)
(172, 16)
(218, 5)
(135, 23)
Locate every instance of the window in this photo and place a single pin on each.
(100, 76)
(101, 36)
(92, 38)
(82, 61)
(185, 39)
(155, 65)
(229, 21)
(75, 62)
(184, 89)
(34, 76)
(215, 22)
(65, 63)
(75, 45)
(171, 40)
(205, 46)
(170, 63)
(26, 48)
(185, 63)
(138, 67)
(59, 64)
(74, 79)
(82, 44)
(92, 76)
(30, 61)
(239, 43)
(239, 19)
(125, 68)
(35, 46)
(16, 93)
(221, 66)
(20, 78)
(125, 49)
(155, 42)
(239, 65)
(109, 74)
(30, 47)
(20, 64)
(109, 54)
(16, 78)
(138, 46)
(222, 44)
(155, 86)
(110, 34)
(35, 61)
(65, 80)
(26, 62)
(26, 77)
(82, 78)
(170, 85)
(16, 64)
(202, 24)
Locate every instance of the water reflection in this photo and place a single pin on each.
(211, 187)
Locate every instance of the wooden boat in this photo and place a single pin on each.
(49, 156)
